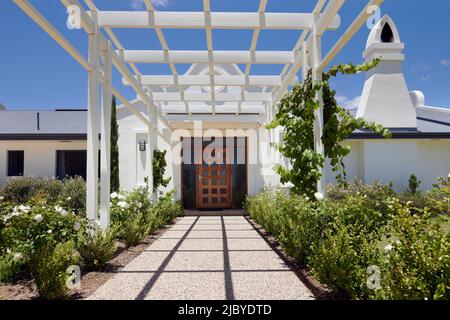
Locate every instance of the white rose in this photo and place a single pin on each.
(49, 231)
(63, 212)
(18, 257)
(121, 197)
(77, 226)
(122, 204)
(114, 195)
(24, 209)
(448, 176)
(389, 247)
(2, 198)
(69, 198)
(39, 218)
(319, 196)
(139, 205)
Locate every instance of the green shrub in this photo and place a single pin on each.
(341, 260)
(22, 189)
(163, 211)
(73, 195)
(96, 250)
(12, 267)
(375, 193)
(127, 215)
(134, 216)
(439, 197)
(70, 193)
(294, 220)
(416, 262)
(49, 266)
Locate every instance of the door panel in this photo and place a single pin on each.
(214, 181)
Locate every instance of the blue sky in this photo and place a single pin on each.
(38, 74)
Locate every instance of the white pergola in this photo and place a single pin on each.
(169, 91)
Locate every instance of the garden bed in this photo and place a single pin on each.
(45, 237)
(363, 241)
(90, 281)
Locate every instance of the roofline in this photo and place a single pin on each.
(43, 136)
(401, 135)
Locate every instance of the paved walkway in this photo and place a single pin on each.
(220, 257)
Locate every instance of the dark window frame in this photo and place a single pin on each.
(18, 171)
(57, 162)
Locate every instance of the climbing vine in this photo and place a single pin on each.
(159, 168)
(296, 115)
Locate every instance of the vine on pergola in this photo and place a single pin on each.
(296, 115)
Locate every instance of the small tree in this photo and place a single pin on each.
(413, 184)
(115, 182)
(159, 168)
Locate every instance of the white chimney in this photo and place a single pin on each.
(385, 98)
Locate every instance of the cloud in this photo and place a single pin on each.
(445, 62)
(348, 103)
(425, 77)
(420, 67)
(140, 5)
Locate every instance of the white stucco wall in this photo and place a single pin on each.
(39, 156)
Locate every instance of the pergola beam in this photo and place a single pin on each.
(350, 32)
(205, 80)
(207, 97)
(219, 20)
(197, 56)
(117, 60)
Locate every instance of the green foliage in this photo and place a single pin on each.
(134, 216)
(294, 220)
(69, 193)
(439, 197)
(360, 226)
(115, 181)
(49, 265)
(163, 211)
(296, 115)
(413, 184)
(159, 168)
(22, 189)
(73, 195)
(127, 217)
(341, 258)
(96, 248)
(416, 262)
(12, 267)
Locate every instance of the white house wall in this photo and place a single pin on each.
(39, 156)
(434, 161)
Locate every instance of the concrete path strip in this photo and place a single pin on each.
(202, 258)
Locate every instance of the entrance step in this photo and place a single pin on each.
(219, 212)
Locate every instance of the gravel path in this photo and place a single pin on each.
(203, 258)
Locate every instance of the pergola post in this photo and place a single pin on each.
(105, 147)
(93, 128)
(151, 146)
(318, 113)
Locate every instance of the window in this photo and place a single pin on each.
(15, 163)
(71, 164)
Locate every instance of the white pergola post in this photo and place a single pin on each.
(105, 169)
(93, 128)
(318, 113)
(151, 145)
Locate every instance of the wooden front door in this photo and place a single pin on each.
(214, 181)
